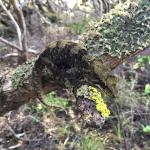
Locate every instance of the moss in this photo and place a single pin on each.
(124, 30)
(21, 74)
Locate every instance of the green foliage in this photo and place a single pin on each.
(144, 59)
(40, 108)
(147, 89)
(90, 143)
(64, 130)
(53, 101)
(146, 129)
(121, 31)
(79, 27)
(56, 101)
(119, 132)
(143, 63)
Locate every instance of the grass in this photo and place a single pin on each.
(53, 101)
(90, 143)
(56, 101)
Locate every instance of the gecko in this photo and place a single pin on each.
(71, 66)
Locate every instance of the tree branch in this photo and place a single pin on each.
(10, 44)
(16, 47)
(14, 22)
(44, 20)
(22, 24)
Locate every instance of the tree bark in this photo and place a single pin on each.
(12, 95)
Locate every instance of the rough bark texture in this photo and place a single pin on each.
(18, 89)
(66, 64)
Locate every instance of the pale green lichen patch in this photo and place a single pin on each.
(21, 74)
(121, 31)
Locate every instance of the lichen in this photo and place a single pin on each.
(91, 93)
(101, 106)
(21, 74)
(124, 30)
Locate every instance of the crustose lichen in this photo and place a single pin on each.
(101, 106)
(93, 94)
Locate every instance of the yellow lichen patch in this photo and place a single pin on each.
(95, 95)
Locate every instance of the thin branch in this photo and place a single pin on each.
(21, 22)
(39, 14)
(10, 55)
(33, 51)
(16, 47)
(14, 22)
(10, 44)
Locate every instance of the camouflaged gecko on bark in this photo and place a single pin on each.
(69, 65)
